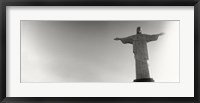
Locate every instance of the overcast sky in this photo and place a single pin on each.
(84, 51)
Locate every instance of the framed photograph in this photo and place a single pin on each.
(62, 51)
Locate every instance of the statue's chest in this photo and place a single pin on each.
(140, 42)
(141, 38)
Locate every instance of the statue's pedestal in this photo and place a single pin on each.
(144, 80)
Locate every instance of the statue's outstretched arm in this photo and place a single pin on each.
(126, 39)
(117, 38)
(153, 37)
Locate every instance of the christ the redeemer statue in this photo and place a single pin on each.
(139, 42)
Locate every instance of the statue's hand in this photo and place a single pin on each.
(117, 39)
(161, 34)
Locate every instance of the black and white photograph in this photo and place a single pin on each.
(99, 51)
(58, 51)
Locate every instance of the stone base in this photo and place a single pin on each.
(144, 80)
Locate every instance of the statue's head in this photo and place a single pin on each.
(139, 30)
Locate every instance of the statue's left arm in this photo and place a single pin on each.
(153, 37)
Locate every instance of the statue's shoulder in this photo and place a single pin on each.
(133, 36)
(146, 34)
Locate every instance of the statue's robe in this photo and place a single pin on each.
(139, 42)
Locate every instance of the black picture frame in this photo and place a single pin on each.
(5, 3)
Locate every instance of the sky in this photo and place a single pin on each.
(84, 51)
